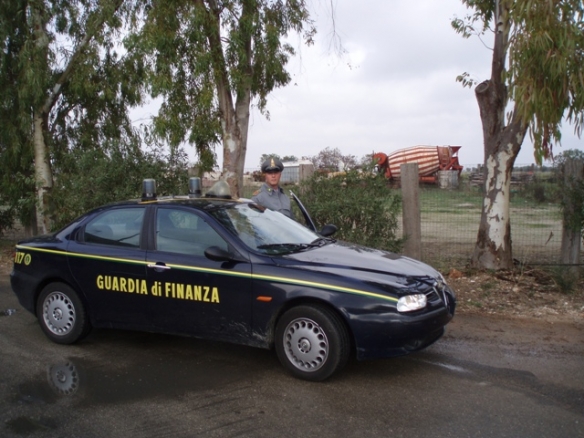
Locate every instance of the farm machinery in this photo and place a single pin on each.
(430, 159)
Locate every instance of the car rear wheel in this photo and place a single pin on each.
(61, 314)
(312, 342)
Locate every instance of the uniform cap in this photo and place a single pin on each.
(271, 165)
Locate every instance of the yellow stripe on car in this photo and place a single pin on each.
(285, 280)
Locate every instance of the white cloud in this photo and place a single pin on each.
(395, 87)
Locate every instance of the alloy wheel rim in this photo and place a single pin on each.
(306, 344)
(59, 313)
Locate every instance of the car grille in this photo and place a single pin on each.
(437, 294)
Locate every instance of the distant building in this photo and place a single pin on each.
(294, 171)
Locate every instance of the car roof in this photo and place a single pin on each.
(202, 203)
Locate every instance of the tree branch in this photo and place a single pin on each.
(94, 24)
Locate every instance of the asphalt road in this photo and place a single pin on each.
(488, 377)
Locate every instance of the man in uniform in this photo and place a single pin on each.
(270, 194)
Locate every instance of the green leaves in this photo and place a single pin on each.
(86, 179)
(194, 52)
(360, 204)
(544, 59)
(61, 61)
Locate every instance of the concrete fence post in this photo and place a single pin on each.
(571, 238)
(305, 171)
(412, 218)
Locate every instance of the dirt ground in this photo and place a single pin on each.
(530, 293)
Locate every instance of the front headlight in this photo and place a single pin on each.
(409, 303)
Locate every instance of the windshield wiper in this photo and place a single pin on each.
(321, 241)
(293, 247)
(290, 246)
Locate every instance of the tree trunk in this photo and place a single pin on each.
(234, 116)
(234, 145)
(502, 144)
(493, 247)
(231, 147)
(43, 175)
(43, 171)
(235, 126)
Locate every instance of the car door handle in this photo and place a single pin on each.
(159, 266)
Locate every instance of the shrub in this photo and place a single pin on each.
(6, 219)
(98, 177)
(359, 204)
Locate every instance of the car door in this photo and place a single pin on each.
(307, 220)
(197, 295)
(108, 262)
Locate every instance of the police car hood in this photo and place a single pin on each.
(362, 260)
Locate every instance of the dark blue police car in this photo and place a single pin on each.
(230, 270)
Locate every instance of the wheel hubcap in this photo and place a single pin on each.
(306, 344)
(59, 313)
(64, 378)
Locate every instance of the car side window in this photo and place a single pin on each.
(117, 227)
(184, 232)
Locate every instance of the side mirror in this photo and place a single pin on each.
(328, 230)
(218, 254)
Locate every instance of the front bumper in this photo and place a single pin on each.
(384, 335)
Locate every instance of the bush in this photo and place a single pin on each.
(6, 219)
(359, 204)
(538, 192)
(565, 278)
(94, 178)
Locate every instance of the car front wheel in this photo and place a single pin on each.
(61, 314)
(312, 342)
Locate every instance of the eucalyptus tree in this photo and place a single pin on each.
(209, 61)
(16, 152)
(64, 86)
(536, 82)
(333, 159)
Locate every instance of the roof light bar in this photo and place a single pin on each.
(195, 187)
(148, 190)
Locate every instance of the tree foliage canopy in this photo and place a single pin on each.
(209, 60)
(62, 63)
(544, 62)
(333, 159)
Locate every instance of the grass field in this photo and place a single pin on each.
(450, 221)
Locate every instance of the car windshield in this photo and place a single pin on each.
(267, 231)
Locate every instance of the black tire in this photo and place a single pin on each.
(61, 314)
(312, 342)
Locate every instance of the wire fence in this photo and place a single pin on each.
(451, 217)
(450, 223)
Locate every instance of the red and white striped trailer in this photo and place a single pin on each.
(430, 159)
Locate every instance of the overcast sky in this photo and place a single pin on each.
(395, 87)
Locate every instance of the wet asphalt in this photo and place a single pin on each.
(485, 378)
